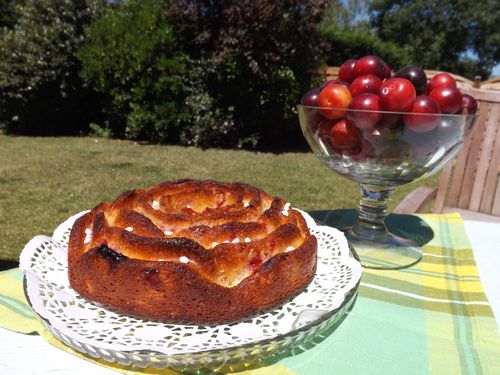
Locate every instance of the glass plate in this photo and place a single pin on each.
(100, 332)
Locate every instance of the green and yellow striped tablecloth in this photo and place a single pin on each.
(432, 318)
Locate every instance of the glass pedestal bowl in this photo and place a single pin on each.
(380, 151)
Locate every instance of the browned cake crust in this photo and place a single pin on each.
(192, 251)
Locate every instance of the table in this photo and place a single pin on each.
(45, 359)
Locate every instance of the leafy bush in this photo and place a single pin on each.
(256, 57)
(202, 73)
(40, 88)
(133, 59)
(152, 90)
(8, 14)
(207, 125)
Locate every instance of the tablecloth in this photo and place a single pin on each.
(432, 318)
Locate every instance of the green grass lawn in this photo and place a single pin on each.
(45, 180)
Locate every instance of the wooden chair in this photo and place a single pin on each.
(470, 184)
(327, 72)
(491, 84)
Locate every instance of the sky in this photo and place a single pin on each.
(496, 71)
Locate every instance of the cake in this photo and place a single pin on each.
(192, 251)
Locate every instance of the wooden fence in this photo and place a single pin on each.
(331, 72)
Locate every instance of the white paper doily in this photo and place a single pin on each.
(93, 329)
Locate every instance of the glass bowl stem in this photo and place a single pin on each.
(375, 246)
(372, 210)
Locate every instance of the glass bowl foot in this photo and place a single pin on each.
(389, 253)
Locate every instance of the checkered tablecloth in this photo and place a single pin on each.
(432, 318)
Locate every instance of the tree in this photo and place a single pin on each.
(40, 88)
(349, 35)
(453, 35)
(355, 41)
(344, 13)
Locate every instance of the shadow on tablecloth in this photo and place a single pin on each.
(410, 227)
(8, 264)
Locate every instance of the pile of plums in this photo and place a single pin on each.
(367, 99)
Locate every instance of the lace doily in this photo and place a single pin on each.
(92, 328)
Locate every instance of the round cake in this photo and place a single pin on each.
(192, 251)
